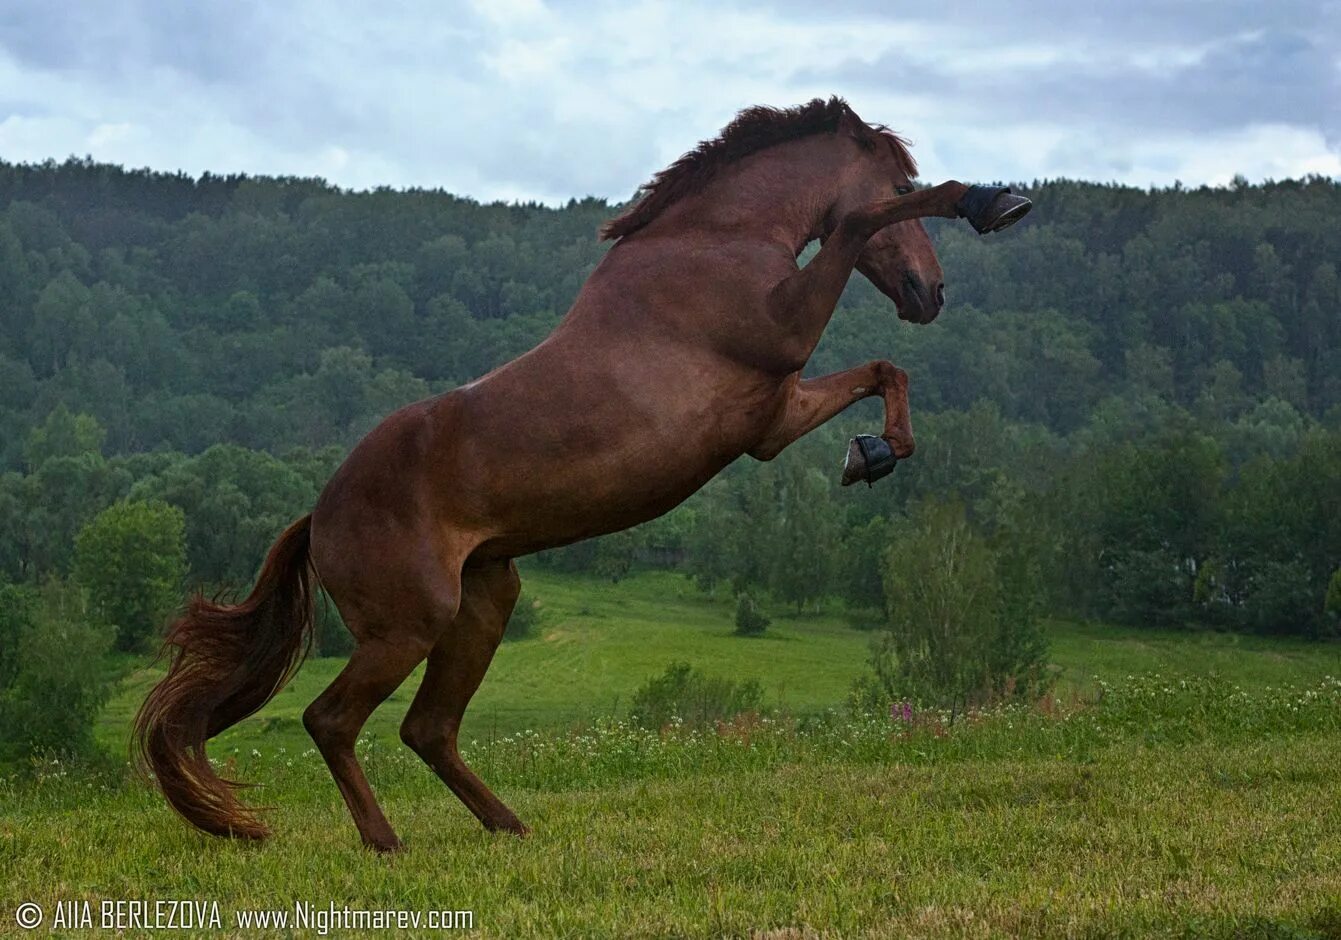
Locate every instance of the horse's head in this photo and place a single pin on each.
(899, 259)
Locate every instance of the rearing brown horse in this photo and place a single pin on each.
(682, 352)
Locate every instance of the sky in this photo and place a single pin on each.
(553, 99)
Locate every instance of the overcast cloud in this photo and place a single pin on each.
(528, 99)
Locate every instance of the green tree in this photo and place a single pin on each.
(614, 553)
(1141, 518)
(236, 502)
(1283, 377)
(957, 630)
(735, 517)
(1150, 369)
(131, 558)
(14, 286)
(63, 434)
(58, 499)
(802, 535)
(63, 326)
(861, 564)
(1281, 537)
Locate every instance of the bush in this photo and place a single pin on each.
(750, 620)
(524, 619)
(687, 694)
(52, 682)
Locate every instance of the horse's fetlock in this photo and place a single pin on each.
(890, 375)
(903, 447)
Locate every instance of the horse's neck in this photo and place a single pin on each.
(786, 193)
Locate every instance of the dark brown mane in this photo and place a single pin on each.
(752, 130)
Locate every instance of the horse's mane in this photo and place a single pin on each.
(752, 130)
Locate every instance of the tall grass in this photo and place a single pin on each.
(1148, 711)
(1154, 806)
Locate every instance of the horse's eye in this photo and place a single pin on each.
(904, 190)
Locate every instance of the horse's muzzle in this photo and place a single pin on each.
(921, 302)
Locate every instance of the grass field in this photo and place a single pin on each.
(1204, 801)
(596, 644)
(599, 641)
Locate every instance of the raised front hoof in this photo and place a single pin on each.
(869, 458)
(992, 208)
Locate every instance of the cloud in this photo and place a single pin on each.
(523, 99)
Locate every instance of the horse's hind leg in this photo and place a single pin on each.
(374, 671)
(456, 667)
(392, 642)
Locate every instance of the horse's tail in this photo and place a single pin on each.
(225, 662)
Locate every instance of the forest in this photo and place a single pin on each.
(1132, 400)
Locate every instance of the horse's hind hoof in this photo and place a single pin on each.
(868, 458)
(992, 208)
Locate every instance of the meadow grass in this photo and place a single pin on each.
(1166, 807)
(1177, 785)
(1084, 651)
(598, 642)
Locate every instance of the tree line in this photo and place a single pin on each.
(275, 312)
(1132, 402)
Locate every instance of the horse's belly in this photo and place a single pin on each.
(593, 499)
(546, 500)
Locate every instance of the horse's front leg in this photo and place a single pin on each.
(811, 402)
(802, 303)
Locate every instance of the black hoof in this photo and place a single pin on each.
(992, 208)
(868, 458)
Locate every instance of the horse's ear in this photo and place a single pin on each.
(853, 126)
(847, 118)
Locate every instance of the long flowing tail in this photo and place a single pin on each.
(226, 661)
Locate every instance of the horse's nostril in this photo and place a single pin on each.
(940, 296)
